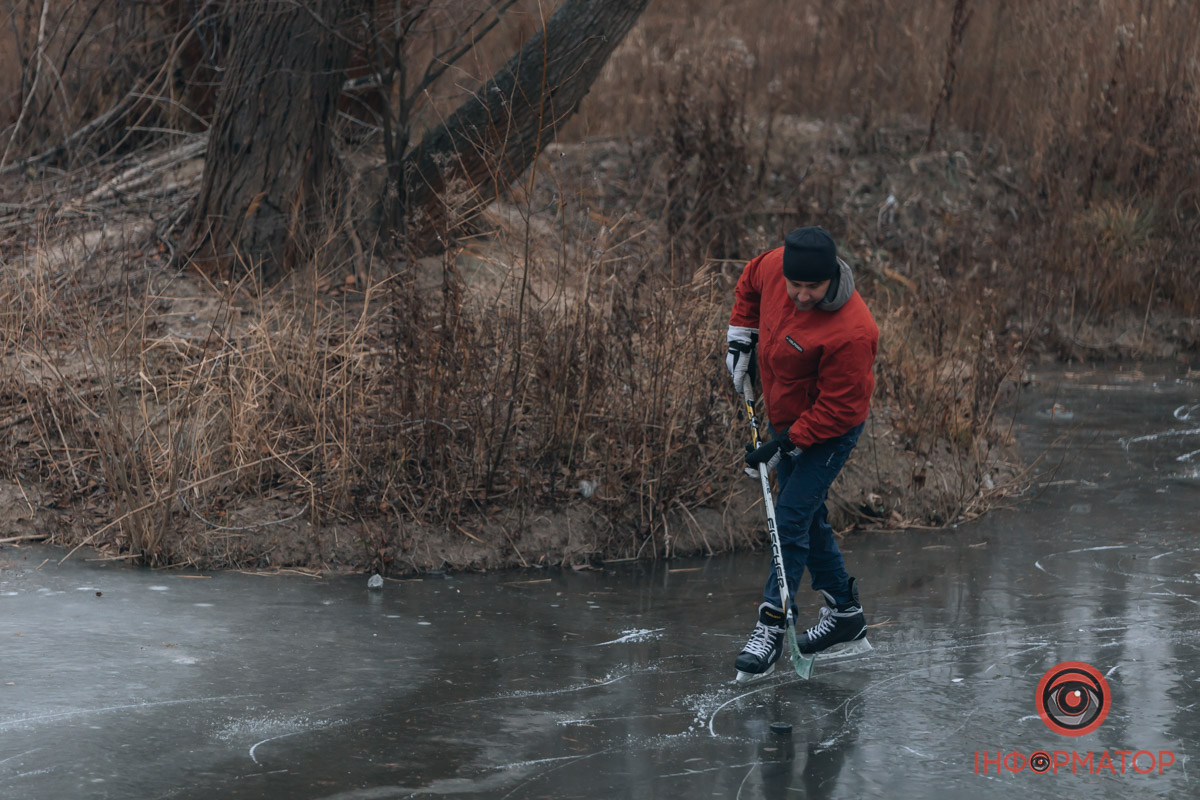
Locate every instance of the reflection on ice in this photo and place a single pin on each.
(1057, 413)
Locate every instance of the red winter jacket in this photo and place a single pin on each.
(816, 366)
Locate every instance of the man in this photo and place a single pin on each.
(816, 343)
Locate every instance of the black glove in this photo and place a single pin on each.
(740, 358)
(771, 453)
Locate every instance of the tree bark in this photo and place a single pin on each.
(494, 136)
(270, 145)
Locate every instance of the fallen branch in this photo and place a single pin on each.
(28, 537)
(141, 174)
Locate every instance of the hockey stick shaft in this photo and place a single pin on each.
(803, 664)
(769, 506)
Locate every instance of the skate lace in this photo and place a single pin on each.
(824, 625)
(760, 641)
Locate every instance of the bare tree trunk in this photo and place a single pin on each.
(270, 146)
(494, 136)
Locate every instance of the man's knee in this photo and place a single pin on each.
(793, 526)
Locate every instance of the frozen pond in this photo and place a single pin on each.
(616, 683)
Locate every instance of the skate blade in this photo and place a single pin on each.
(744, 678)
(844, 650)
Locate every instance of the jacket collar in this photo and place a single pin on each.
(843, 290)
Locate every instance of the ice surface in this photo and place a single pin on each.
(276, 686)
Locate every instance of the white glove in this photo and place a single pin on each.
(740, 358)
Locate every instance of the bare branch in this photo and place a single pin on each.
(446, 59)
(38, 55)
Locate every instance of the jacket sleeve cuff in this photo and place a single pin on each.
(794, 439)
(744, 335)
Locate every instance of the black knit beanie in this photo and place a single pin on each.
(809, 256)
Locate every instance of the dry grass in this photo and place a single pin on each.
(566, 367)
(567, 359)
(1094, 106)
(565, 353)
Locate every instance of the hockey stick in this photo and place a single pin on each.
(802, 663)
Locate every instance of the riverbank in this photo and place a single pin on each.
(550, 391)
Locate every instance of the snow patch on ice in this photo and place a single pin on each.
(1150, 437)
(637, 635)
(535, 762)
(235, 729)
(159, 588)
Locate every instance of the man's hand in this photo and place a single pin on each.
(770, 454)
(740, 357)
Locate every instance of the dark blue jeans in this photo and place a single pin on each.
(805, 537)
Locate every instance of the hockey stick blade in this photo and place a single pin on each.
(803, 664)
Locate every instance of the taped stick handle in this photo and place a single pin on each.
(751, 417)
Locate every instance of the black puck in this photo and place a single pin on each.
(781, 728)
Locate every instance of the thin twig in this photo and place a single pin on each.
(38, 55)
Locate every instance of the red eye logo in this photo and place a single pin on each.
(1073, 698)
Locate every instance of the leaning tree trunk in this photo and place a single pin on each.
(494, 136)
(270, 145)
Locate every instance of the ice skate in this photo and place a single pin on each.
(840, 632)
(758, 657)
